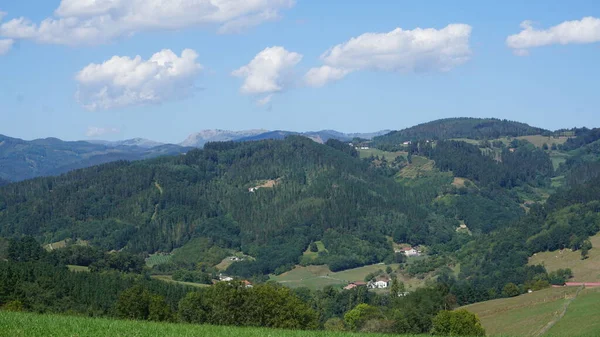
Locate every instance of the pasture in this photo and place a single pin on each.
(525, 315)
(317, 277)
(587, 270)
(389, 156)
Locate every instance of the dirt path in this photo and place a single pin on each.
(562, 314)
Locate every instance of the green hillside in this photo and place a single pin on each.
(321, 193)
(567, 311)
(471, 128)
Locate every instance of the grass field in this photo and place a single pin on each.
(419, 167)
(558, 158)
(587, 270)
(156, 259)
(539, 140)
(313, 255)
(525, 315)
(581, 318)
(168, 278)
(389, 156)
(33, 325)
(317, 277)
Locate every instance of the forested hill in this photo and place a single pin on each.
(472, 128)
(306, 192)
(21, 159)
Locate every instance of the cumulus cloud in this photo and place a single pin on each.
(318, 77)
(269, 71)
(400, 50)
(5, 46)
(586, 30)
(94, 131)
(81, 22)
(123, 81)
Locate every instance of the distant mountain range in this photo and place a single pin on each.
(215, 135)
(140, 142)
(318, 136)
(21, 159)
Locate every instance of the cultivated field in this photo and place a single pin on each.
(33, 325)
(156, 259)
(587, 270)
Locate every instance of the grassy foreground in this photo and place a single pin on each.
(552, 312)
(34, 325)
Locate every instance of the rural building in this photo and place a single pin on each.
(585, 284)
(355, 285)
(224, 278)
(379, 283)
(408, 251)
(247, 283)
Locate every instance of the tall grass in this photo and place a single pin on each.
(35, 325)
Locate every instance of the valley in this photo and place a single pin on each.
(330, 225)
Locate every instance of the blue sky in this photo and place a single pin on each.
(546, 75)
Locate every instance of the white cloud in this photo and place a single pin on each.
(586, 30)
(265, 100)
(5, 46)
(94, 131)
(269, 71)
(82, 22)
(400, 50)
(123, 81)
(318, 77)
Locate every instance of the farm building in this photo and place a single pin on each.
(408, 251)
(224, 278)
(379, 283)
(355, 285)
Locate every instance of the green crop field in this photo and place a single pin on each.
(33, 325)
(156, 259)
(587, 270)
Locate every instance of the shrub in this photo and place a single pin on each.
(457, 323)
